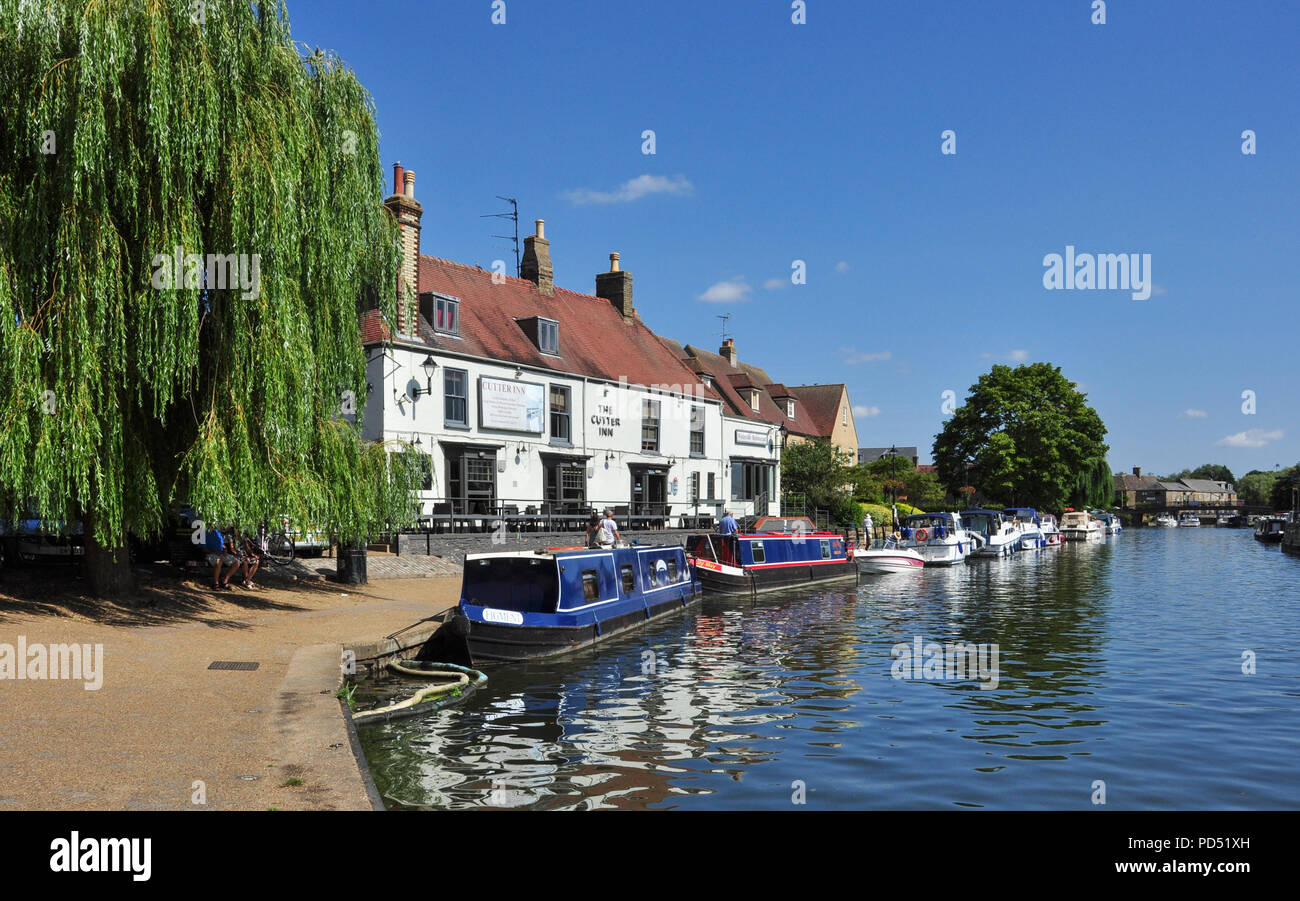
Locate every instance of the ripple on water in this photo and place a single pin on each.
(1120, 662)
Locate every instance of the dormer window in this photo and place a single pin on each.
(789, 409)
(446, 315)
(753, 399)
(548, 336)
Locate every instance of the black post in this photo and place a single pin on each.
(351, 568)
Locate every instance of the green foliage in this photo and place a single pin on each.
(1094, 486)
(867, 487)
(1256, 487)
(818, 470)
(217, 136)
(1022, 437)
(1215, 472)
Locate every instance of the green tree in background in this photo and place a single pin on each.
(135, 131)
(1215, 472)
(819, 471)
(1022, 438)
(1256, 487)
(1094, 486)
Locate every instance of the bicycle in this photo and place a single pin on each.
(276, 547)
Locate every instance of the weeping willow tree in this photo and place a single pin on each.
(189, 223)
(1094, 485)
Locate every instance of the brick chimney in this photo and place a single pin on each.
(536, 265)
(408, 212)
(728, 350)
(616, 287)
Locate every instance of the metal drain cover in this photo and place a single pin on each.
(234, 664)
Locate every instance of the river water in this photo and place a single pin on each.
(1119, 677)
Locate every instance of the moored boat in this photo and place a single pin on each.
(1000, 538)
(939, 538)
(1030, 524)
(1188, 520)
(885, 556)
(1079, 525)
(1166, 521)
(1051, 531)
(526, 605)
(1269, 529)
(1110, 524)
(780, 552)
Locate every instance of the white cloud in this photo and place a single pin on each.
(861, 411)
(775, 284)
(842, 266)
(732, 290)
(634, 189)
(1250, 438)
(853, 357)
(1194, 414)
(1015, 356)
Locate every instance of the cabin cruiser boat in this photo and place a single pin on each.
(885, 556)
(1110, 524)
(1051, 531)
(940, 538)
(1166, 521)
(1079, 525)
(1030, 524)
(1270, 529)
(1188, 520)
(526, 605)
(779, 552)
(1000, 537)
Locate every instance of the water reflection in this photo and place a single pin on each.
(731, 706)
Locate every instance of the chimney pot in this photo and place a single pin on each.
(613, 262)
(409, 181)
(398, 179)
(541, 228)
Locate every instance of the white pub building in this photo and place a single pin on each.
(536, 401)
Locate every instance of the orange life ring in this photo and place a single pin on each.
(922, 535)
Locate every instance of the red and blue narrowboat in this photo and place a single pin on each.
(779, 552)
(528, 605)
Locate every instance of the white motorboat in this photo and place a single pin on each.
(1188, 520)
(885, 556)
(1110, 524)
(1051, 531)
(1166, 521)
(939, 538)
(1000, 536)
(1079, 525)
(1033, 535)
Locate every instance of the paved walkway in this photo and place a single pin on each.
(164, 731)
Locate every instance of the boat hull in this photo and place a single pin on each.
(1081, 534)
(509, 643)
(880, 563)
(732, 580)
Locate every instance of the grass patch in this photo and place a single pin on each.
(292, 782)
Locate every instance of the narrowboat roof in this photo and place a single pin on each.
(784, 524)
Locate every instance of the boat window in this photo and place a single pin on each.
(629, 578)
(672, 568)
(512, 583)
(590, 588)
(826, 549)
(760, 554)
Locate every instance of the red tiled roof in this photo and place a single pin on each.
(730, 382)
(594, 339)
(822, 403)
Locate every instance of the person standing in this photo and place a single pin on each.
(728, 525)
(868, 527)
(593, 530)
(609, 536)
(894, 507)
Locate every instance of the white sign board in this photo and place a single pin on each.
(748, 436)
(511, 406)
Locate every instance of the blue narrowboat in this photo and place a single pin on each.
(527, 605)
(779, 552)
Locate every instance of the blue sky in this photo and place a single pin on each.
(821, 142)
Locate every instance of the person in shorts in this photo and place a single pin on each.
(609, 536)
(219, 556)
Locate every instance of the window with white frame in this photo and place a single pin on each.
(455, 392)
(548, 336)
(697, 431)
(650, 425)
(560, 414)
(446, 315)
(789, 409)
